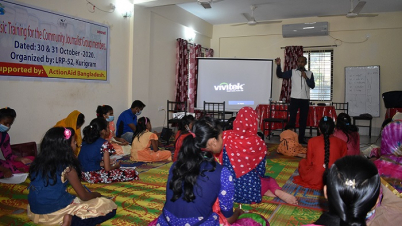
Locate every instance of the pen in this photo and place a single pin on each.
(86, 188)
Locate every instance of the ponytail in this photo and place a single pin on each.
(103, 110)
(185, 123)
(344, 124)
(192, 154)
(326, 148)
(92, 131)
(141, 127)
(353, 189)
(327, 128)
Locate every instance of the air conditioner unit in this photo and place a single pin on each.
(305, 29)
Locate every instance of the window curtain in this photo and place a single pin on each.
(195, 51)
(181, 70)
(209, 53)
(291, 55)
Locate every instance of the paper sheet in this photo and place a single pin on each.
(15, 179)
(116, 157)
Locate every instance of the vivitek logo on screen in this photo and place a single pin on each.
(229, 87)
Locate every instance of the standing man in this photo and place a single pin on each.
(302, 82)
(127, 122)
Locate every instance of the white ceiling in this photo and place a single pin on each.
(230, 11)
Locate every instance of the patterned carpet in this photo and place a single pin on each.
(141, 201)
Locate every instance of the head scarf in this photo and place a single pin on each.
(243, 146)
(391, 137)
(71, 121)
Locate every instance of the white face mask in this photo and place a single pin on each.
(138, 113)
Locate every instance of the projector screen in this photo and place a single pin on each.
(238, 82)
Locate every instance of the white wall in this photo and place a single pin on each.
(155, 34)
(142, 61)
(142, 66)
(383, 48)
(40, 103)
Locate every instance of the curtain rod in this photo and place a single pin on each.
(316, 46)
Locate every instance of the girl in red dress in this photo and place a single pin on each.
(322, 152)
(186, 125)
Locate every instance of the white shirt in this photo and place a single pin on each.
(300, 89)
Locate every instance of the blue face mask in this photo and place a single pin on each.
(110, 118)
(4, 128)
(138, 113)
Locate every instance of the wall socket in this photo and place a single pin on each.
(161, 108)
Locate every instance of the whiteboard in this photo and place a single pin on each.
(363, 90)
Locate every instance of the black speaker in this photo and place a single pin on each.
(165, 135)
(392, 99)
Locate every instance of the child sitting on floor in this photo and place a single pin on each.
(352, 190)
(322, 152)
(49, 201)
(289, 143)
(9, 160)
(185, 125)
(95, 155)
(196, 181)
(244, 154)
(74, 120)
(145, 144)
(121, 146)
(349, 133)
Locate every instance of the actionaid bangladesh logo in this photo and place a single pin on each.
(229, 87)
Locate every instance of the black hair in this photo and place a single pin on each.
(305, 58)
(344, 123)
(185, 122)
(229, 123)
(326, 126)
(353, 187)
(80, 120)
(7, 113)
(190, 158)
(385, 122)
(93, 130)
(137, 103)
(289, 126)
(55, 155)
(141, 127)
(103, 110)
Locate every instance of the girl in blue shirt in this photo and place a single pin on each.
(97, 167)
(49, 201)
(197, 185)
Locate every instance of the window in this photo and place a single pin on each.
(321, 64)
